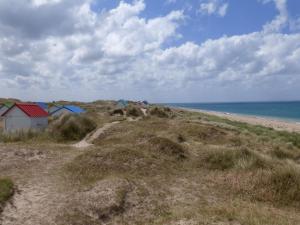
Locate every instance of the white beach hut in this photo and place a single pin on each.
(23, 116)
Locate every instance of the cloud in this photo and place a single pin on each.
(281, 19)
(119, 53)
(214, 7)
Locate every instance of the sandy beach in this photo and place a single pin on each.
(255, 120)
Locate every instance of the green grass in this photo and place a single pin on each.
(6, 191)
(261, 131)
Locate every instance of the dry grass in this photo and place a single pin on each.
(71, 127)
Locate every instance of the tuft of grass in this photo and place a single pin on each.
(72, 127)
(167, 147)
(281, 184)
(223, 159)
(6, 191)
(283, 153)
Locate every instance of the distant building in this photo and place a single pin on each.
(122, 104)
(23, 116)
(66, 109)
(4, 107)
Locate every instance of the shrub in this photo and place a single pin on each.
(117, 112)
(159, 112)
(6, 191)
(72, 127)
(134, 111)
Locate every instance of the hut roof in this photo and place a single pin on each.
(74, 109)
(43, 105)
(31, 110)
(6, 104)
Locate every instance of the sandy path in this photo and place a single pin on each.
(87, 141)
(39, 196)
(144, 111)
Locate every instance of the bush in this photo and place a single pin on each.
(72, 127)
(117, 112)
(160, 112)
(6, 191)
(134, 111)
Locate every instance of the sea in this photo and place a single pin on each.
(287, 111)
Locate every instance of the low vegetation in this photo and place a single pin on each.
(71, 127)
(162, 112)
(20, 136)
(6, 191)
(134, 111)
(235, 158)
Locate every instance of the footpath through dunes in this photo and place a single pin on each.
(87, 141)
(36, 172)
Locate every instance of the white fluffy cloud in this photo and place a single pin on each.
(63, 49)
(281, 19)
(217, 7)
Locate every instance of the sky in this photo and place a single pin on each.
(155, 50)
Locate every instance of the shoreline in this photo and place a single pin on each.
(274, 123)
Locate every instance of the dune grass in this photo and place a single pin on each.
(133, 111)
(6, 191)
(71, 127)
(235, 158)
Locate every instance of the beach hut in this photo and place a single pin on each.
(53, 108)
(43, 105)
(4, 107)
(66, 109)
(25, 116)
(121, 104)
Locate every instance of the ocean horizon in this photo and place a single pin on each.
(280, 110)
